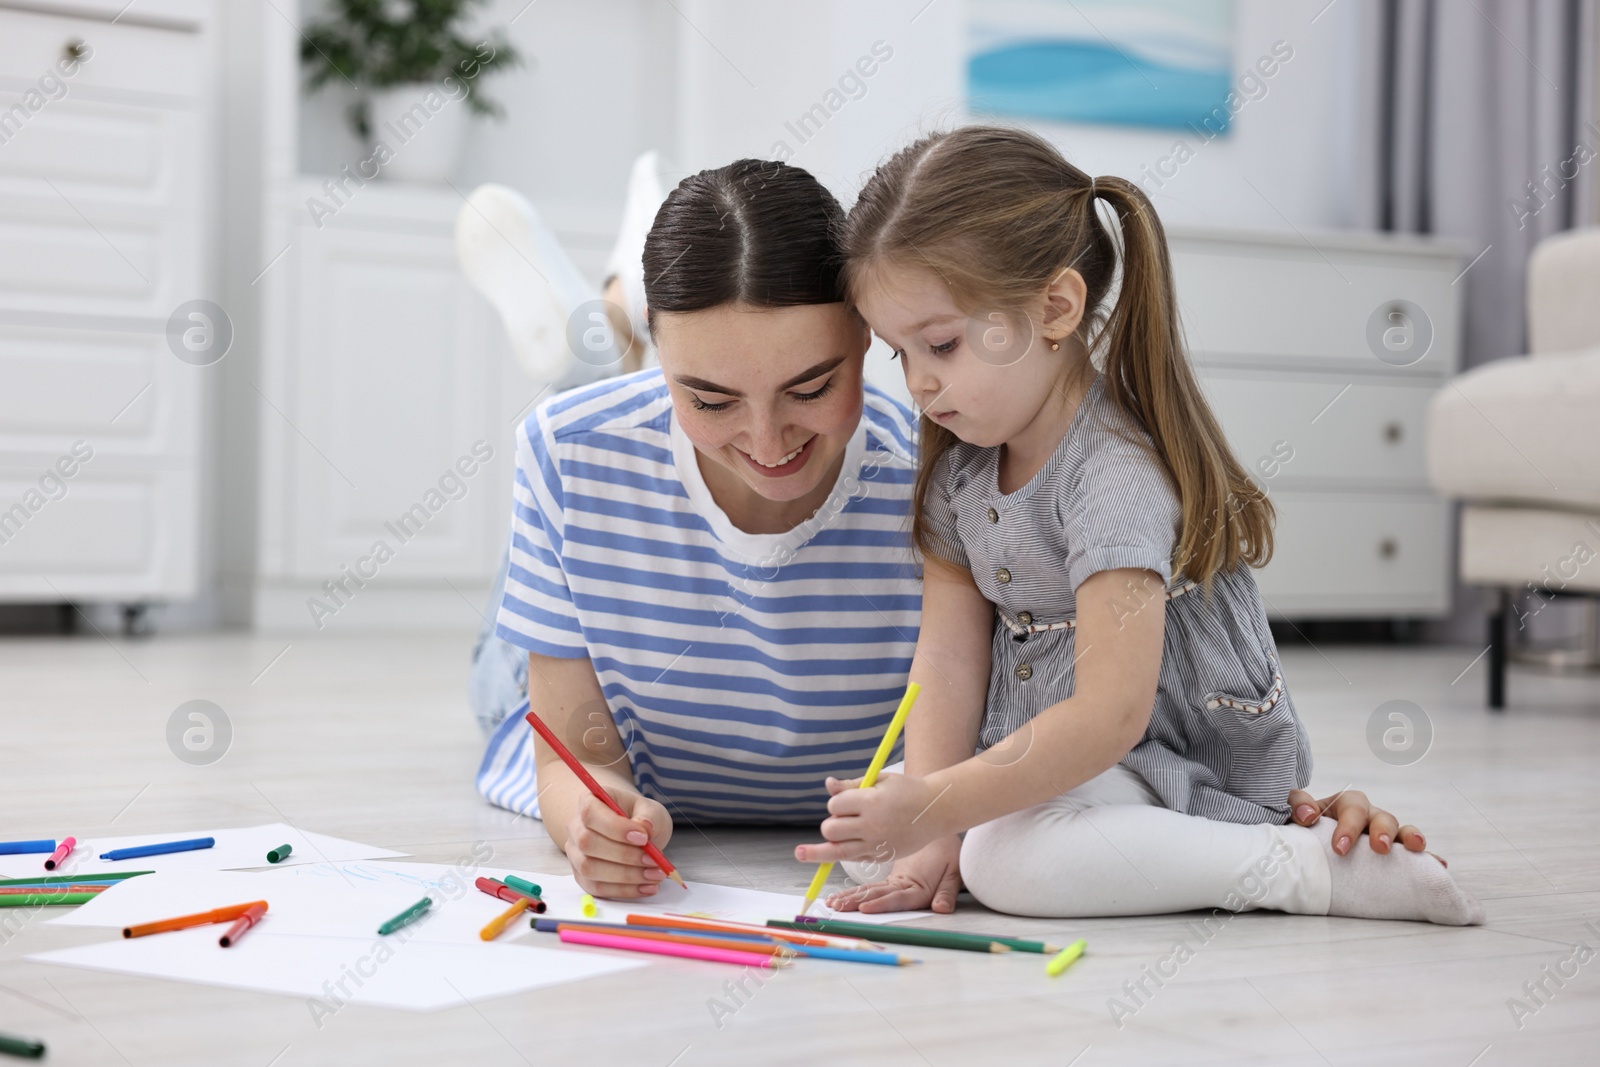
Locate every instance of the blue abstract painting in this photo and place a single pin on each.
(1155, 63)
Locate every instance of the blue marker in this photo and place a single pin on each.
(24, 848)
(159, 850)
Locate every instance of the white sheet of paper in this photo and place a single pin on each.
(414, 974)
(236, 847)
(352, 899)
(449, 885)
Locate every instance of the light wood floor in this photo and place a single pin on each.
(370, 739)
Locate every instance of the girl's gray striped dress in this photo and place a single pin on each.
(1224, 741)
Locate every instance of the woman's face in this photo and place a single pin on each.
(771, 395)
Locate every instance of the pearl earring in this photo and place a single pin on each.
(1055, 346)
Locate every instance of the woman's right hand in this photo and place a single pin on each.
(929, 878)
(607, 850)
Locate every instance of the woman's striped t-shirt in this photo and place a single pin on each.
(741, 669)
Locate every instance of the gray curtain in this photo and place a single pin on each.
(1479, 114)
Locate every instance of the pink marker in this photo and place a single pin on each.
(60, 853)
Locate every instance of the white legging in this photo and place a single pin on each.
(1109, 847)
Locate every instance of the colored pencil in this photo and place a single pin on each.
(199, 918)
(65, 887)
(251, 916)
(797, 937)
(1016, 944)
(879, 758)
(279, 854)
(668, 948)
(740, 943)
(406, 918)
(160, 849)
(24, 1047)
(53, 879)
(599, 792)
(1065, 959)
(522, 885)
(499, 889)
(902, 935)
(26, 848)
(62, 851)
(31, 900)
(498, 924)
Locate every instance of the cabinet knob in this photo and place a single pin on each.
(74, 49)
(1388, 548)
(1393, 432)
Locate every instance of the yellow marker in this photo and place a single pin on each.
(879, 758)
(1064, 959)
(590, 908)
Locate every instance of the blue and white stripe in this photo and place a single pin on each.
(741, 669)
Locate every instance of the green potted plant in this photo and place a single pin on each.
(419, 73)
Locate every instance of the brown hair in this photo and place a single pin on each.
(755, 232)
(998, 213)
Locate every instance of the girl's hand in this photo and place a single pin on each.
(863, 822)
(931, 877)
(607, 850)
(1356, 815)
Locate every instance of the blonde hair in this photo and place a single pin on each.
(998, 213)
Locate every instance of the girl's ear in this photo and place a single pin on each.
(1064, 302)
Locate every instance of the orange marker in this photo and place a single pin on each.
(183, 922)
(501, 921)
(251, 916)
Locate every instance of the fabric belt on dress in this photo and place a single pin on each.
(1020, 630)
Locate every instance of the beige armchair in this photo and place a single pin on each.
(1518, 442)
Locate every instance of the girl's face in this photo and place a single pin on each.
(986, 378)
(770, 395)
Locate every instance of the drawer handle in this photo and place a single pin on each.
(74, 49)
(1388, 548)
(1393, 432)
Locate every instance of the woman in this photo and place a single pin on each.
(710, 574)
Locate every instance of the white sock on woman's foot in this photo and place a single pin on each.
(1399, 885)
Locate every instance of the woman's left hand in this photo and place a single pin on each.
(1356, 815)
(862, 822)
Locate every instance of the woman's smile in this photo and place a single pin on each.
(785, 466)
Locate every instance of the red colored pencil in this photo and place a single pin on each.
(600, 794)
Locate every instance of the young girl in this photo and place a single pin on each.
(1090, 623)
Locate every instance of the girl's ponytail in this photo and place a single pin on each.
(1227, 518)
(998, 213)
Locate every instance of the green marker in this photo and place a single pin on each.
(522, 885)
(279, 854)
(407, 917)
(21, 1046)
(1064, 960)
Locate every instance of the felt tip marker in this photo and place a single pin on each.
(61, 853)
(251, 916)
(160, 849)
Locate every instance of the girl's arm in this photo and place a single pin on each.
(1118, 640)
(952, 666)
(605, 849)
